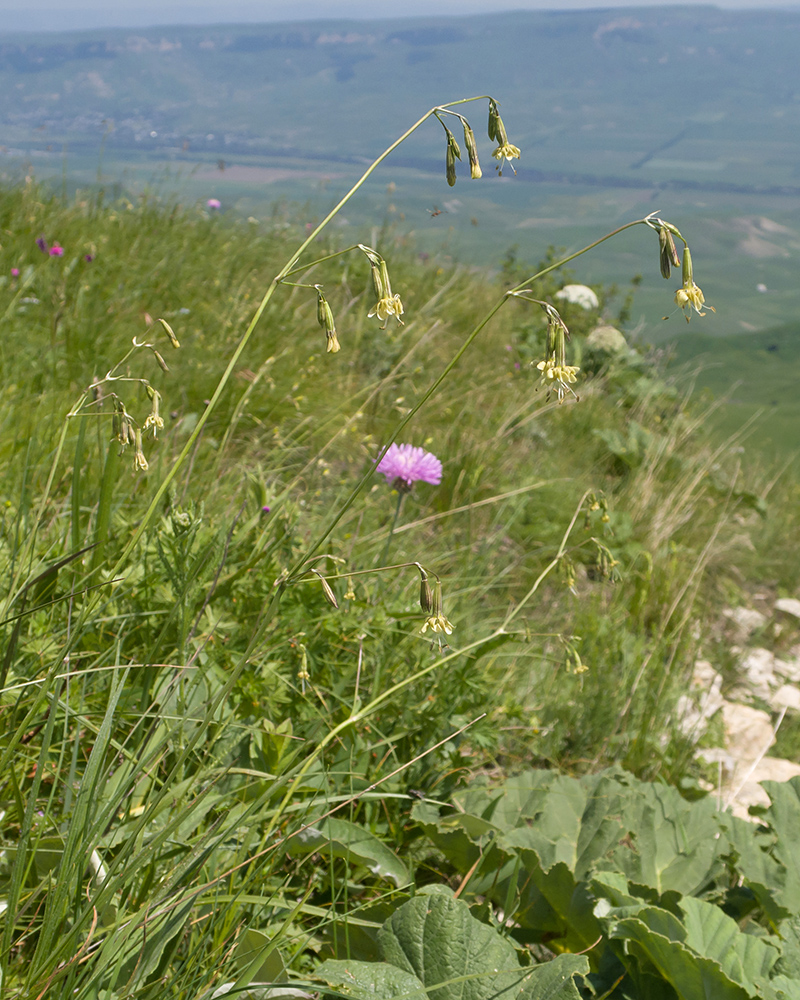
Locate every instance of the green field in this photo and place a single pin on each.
(693, 112)
(273, 718)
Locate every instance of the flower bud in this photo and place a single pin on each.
(325, 320)
(330, 597)
(452, 152)
(668, 255)
(688, 276)
(139, 461)
(162, 364)
(497, 130)
(472, 151)
(425, 595)
(170, 333)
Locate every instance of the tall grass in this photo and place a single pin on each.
(171, 730)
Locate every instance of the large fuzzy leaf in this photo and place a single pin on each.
(346, 840)
(672, 844)
(434, 937)
(691, 976)
(555, 980)
(703, 955)
(371, 980)
(781, 988)
(745, 958)
(749, 851)
(783, 816)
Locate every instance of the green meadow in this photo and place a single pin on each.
(275, 724)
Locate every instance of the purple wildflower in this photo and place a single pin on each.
(265, 509)
(214, 204)
(41, 243)
(88, 257)
(403, 465)
(56, 251)
(14, 272)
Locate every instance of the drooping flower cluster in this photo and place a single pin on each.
(561, 376)
(689, 296)
(436, 620)
(557, 375)
(505, 152)
(403, 465)
(388, 304)
(325, 320)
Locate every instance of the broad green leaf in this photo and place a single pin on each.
(520, 798)
(783, 816)
(371, 980)
(613, 888)
(673, 845)
(692, 976)
(555, 834)
(253, 949)
(579, 826)
(744, 958)
(781, 988)
(555, 980)
(789, 962)
(761, 873)
(356, 845)
(456, 957)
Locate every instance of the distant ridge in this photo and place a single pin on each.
(616, 111)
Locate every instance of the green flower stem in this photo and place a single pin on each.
(386, 547)
(320, 260)
(512, 614)
(103, 521)
(361, 485)
(224, 379)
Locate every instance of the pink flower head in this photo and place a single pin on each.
(403, 465)
(14, 272)
(56, 251)
(214, 203)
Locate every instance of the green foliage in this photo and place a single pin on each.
(630, 872)
(207, 767)
(433, 946)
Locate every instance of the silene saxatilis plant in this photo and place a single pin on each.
(110, 913)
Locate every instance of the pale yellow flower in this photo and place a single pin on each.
(389, 305)
(437, 623)
(691, 297)
(558, 378)
(505, 153)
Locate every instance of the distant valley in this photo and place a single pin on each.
(692, 111)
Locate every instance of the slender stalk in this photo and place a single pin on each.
(361, 485)
(243, 342)
(103, 522)
(386, 547)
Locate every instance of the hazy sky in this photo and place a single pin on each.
(60, 15)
